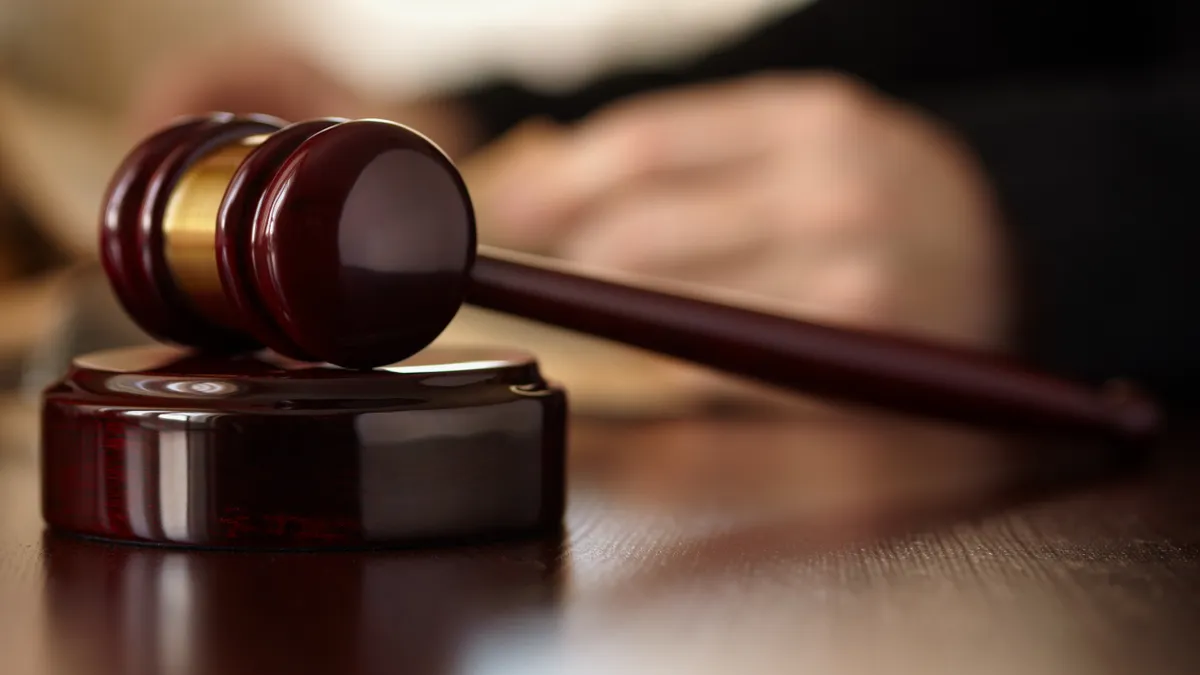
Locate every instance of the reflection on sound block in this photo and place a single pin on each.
(160, 445)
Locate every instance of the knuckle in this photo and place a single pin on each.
(635, 142)
(843, 210)
(772, 83)
(837, 102)
(838, 85)
(856, 207)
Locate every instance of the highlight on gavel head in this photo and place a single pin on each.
(346, 242)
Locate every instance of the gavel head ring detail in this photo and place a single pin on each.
(347, 242)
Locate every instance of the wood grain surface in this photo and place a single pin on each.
(830, 542)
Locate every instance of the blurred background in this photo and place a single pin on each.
(73, 70)
(1008, 176)
(1071, 105)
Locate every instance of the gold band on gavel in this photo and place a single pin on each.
(190, 227)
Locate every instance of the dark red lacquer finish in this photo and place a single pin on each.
(361, 245)
(119, 252)
(131, 235)
(235, 224)
(899, 374)
(159, 445)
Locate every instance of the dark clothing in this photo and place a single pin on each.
(1086, 116)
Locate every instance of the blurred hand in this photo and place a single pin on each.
(809, 189)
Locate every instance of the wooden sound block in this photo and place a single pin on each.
(161, 445)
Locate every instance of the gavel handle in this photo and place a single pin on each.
(854, 366)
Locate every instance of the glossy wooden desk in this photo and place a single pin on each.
(828, 543)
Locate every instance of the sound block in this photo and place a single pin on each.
(159, 445)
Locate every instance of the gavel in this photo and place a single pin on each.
(299, 274)
(353, 243)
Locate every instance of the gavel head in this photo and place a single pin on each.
(347, 242)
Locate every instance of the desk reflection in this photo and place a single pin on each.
(131, 610)
(838, 477)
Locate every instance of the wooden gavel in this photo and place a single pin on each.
(353, 243)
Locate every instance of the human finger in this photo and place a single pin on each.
(664, 227)
(634, 142)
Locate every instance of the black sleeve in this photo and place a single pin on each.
(1097, 180)
(1086, 119)
(879, 40)
(901, 47)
